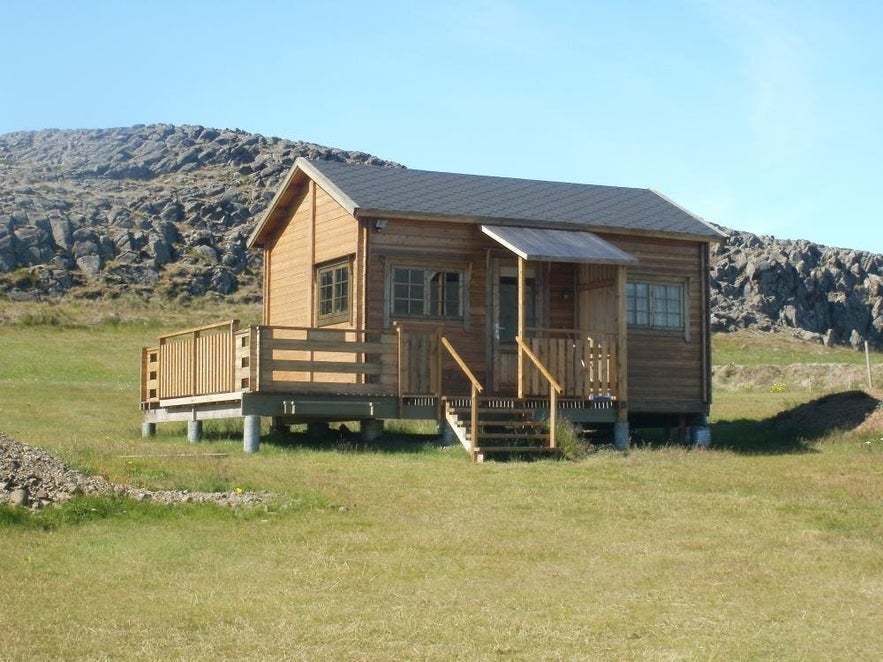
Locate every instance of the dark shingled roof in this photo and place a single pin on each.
(378, 191)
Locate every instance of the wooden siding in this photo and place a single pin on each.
(452, 245)
(318, 231)
(666, 369)
(596, 297)
(562, 292)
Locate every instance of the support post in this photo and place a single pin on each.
(148, 429)
(621, 435)
(370, 429)
(251, 433)
(521, 319)
(194, 431)
(317, 430)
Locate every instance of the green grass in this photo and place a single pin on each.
(748, 347)
(412, 552)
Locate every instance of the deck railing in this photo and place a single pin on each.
(318, 360)
(194, 362)
(475, 389)
(554, 387)
(585, 364)
(224, 359)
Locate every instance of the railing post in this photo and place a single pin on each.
(474, 418)
(194, 353)
(255, 357)
(399, 367)
(553, 415)
(436, 359)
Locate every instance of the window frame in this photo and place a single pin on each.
(343, 313)
(431, 270)
(656, 317)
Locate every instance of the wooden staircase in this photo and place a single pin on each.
(505, 427)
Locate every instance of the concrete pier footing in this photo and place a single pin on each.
(194, 431)
(621, 435)
(251, 434)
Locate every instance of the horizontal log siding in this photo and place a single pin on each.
(562, 283)
(438, 244)
(665, 372)
(304, 242)
(336, 230)
(288, 274)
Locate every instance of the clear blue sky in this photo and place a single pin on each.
(760, 115)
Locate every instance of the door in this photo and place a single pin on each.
(503, 318)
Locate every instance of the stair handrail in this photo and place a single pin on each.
(554, 387)
(476, 389)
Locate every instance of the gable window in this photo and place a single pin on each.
(427, 293)
(333, 292)
(655, 305)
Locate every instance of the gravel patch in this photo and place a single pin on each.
(32, 478)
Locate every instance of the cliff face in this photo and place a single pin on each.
(166, 211)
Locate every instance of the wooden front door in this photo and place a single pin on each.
(503, 318)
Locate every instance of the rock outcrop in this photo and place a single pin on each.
(156, 209)
(166, 211)
(833, 295)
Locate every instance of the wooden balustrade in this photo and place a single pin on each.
(222, 358)
(584, 363)
(197, 361)
(317, 360)
(554, 387)
(475, 389)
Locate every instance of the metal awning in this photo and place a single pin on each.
(557, 245)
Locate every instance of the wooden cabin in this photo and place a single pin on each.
(492, 305)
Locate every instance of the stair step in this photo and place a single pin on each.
(484, 433)
(508, 411)
(516, 449)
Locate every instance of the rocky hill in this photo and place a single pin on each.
(159, 209)
(166, 211)
(834, 295)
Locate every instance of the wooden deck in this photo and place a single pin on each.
(301, 374)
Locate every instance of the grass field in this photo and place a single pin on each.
(759, 548)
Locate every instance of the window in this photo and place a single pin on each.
(655, 305)
(428, 293)
(333, 296)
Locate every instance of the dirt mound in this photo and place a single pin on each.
(32, 478)
(848, 411)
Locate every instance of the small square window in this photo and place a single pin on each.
(655, 305)
(333, 293)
